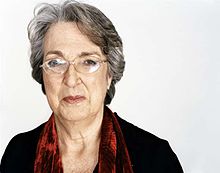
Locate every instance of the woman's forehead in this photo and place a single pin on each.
(67, 38)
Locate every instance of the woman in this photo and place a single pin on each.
(76, 55)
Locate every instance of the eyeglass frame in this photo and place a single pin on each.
(72, 62)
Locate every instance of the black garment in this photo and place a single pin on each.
(96, 169)
(148, 153)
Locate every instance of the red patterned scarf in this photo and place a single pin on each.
(113, 153)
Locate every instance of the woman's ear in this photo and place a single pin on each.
(109, 81)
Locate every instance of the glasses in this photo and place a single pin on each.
(86, 65)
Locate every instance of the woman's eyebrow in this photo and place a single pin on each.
(82, 54)
(57, 52)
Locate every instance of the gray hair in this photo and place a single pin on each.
(91, 22)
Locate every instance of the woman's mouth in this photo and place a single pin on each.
(74, 99)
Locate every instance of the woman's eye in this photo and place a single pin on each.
(89, 62)
(54, 63)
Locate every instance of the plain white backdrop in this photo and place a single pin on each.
(171, 85)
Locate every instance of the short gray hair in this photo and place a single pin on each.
(91, 22)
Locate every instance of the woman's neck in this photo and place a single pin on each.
(79, 137)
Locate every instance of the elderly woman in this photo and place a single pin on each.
(76, 56)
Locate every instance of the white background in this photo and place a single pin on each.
(171, 85)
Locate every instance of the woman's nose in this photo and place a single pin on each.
(71, 77)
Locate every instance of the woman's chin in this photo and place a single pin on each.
(74, 113)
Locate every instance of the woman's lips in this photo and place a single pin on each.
(74, 99)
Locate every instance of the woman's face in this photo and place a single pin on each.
(73, 95)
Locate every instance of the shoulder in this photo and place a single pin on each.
(20, 153)
(136, 136)
(147, 151)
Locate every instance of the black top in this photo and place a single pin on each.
(96, 170)
(148, 153)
